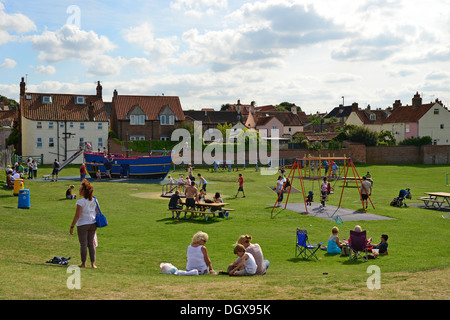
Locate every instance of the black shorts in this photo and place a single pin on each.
(364, 196)
(241, 188)
(55, 171)
(190, 203)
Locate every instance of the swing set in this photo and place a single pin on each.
(317, 164)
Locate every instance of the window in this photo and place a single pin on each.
(28, 97)
(100, 126)
(50, 125)
(46, 100)
(61, 124)
(81, 142)
(436, 111)
(373, 116)
(136, 120)
(133, 138)
(51, 143)
(81, 125)
(166, 119)
(39, 125)
(442, 126)
(164, 138)
(80, 100)
(100, 142)
(70, 124)
(39, 142)
(407, 128)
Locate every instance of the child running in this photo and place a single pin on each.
(241, 186)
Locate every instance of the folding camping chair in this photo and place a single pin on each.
(357, 245)
(303, 248)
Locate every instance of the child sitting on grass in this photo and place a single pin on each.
(69, 194)
(247, 266)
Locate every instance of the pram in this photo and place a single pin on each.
(402, 195)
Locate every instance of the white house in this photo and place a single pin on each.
(57, 125)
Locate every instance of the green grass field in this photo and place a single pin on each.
(141, 234)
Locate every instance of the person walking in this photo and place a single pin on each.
(241, 185)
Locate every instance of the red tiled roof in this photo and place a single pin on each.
(7, 117)
(380, 116)
(62, 108)
(323, 136)
(151, 105)
(407, 113)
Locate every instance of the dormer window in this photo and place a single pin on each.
(166, 119)
(28, 97)
(80, 100)
(373, 116)
(46, 100)
(137, 120)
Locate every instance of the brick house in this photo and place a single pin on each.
(144, 117)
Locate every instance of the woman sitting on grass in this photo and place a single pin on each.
(255, 250)
(197, 255)
(334, 246)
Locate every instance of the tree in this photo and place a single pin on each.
(386, 138)
(286, 106)
(363, 135)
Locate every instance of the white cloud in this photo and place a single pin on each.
(69, 43)
(8, 64)
(46, 69)
(198, 8)
(159, 49)
(17, 23)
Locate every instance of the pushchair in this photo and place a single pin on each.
(402, 195)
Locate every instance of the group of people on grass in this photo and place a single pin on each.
(335, 246)
(250, 259)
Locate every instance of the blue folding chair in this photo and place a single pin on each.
(303, 248)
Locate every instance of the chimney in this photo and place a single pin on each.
(99, 89)
(368, 107)
(416, 100)
(354, 107)
(252, 107)
(115, 94)
(396, 104)
(239, 107)
(294, 109)
(22, 87)
(91, 112)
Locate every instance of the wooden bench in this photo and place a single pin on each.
(427, 200)
(205, 214)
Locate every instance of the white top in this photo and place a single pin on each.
(250, 264)
(279, 185)
(367, 186)
(195, 259)
(88, 211)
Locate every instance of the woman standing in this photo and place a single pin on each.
(84, 219)
(35, 168)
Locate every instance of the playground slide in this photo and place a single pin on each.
(72, 158)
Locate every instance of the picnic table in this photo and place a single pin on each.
(435, 199)
(202, 208)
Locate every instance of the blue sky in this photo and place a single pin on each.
(211, 52)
